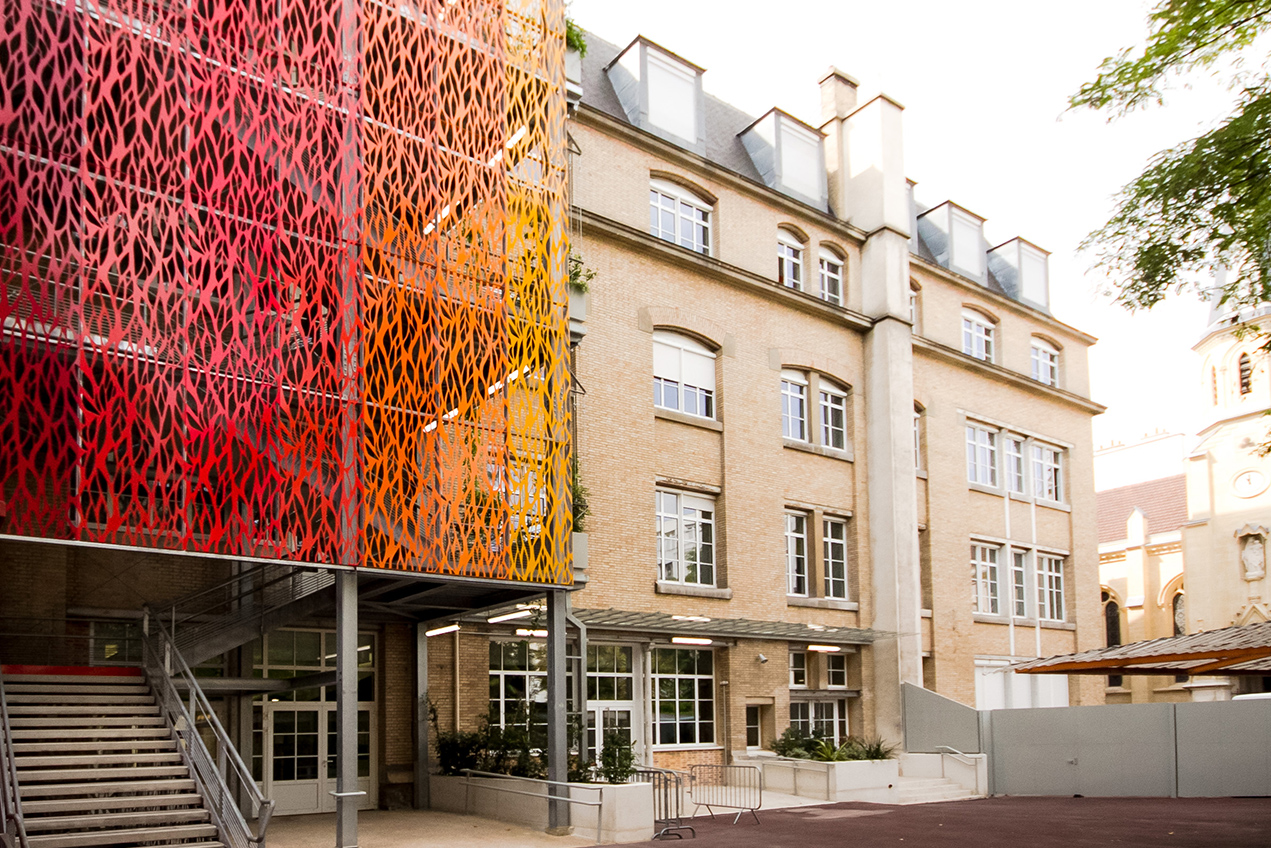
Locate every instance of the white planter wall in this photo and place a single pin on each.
(860, 780)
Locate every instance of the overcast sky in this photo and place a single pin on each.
(985, 86)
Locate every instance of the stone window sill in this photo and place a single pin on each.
(685, 418)
(822, 603)
(663, 587)
(819, 450)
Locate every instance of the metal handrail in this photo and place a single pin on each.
(10, 800)
(163, 662)
(965, 759)
(467, 785)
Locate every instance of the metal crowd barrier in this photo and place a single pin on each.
(737, 788)
(668, 801)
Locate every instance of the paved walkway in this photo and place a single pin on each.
(1002, 823)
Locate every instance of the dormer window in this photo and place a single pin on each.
(1021, 269)
(679, 216)
(787, 154)
(956, 239)
(789, 260)
(660, 93)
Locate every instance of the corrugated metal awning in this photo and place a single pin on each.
(1240, 650)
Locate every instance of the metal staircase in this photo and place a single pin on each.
(97, 764)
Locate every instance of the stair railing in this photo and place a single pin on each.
(10, 799)
(213, 773)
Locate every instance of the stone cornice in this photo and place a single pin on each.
(1000, 374)
(589, 116)
(597, 226)
(999, 300)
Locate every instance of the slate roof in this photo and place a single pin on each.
(1241, 649)
(1163, 501)
(720, 628)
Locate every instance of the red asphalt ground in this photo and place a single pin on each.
(1017, 822)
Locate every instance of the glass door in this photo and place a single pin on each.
(611, 691)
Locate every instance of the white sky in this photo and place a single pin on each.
(985, 85)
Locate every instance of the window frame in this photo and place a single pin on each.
(831, 672)
(689, 212)
(1019, 583)
(829, 562)
(685, 500)
(1244, 370)
(981, 455)
(684, 346)
(798, 667)
(1049, 571)
(1047, 462)
(825, 259)
(828, 393)
(790, 256)
(985, 578)
(1044, 358)
(797, 544)
(1015, 473)
(790, 381)
(978, 335)
(696, 678)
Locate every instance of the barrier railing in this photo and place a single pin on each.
(737, 788)
(546, 796)
(211, 772)
(10, 799)
(668, 801)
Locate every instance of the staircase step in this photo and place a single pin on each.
(17, 698)
(123, 773)
(88, 733)
(44, 824)
(119, 802)
(89, 745)
(107, 787)
(17, 722)
(87, 760)
(77, 679)
(134, 836)
(51, 710)
(12, 689)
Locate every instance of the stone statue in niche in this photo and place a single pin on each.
(1253, 551)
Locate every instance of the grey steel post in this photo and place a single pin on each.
(422, 799)
(557, 736)
(346, 792)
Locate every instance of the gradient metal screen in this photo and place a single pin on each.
(286, 280)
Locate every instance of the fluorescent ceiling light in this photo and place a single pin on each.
(689, 640)
(437, 631)
(538, 634)
(825, 649)
(700, 618)
(508, 616)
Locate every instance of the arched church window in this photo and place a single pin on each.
(1246, 374)
(1112, 630)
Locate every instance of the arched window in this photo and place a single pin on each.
(679, 216)
(1213, 386)
(977, 334)
(1179, 606)
(1246, 374)
(683, 374)
(789, 259)
(1045, 360)
(831, 274)
(1112, 630)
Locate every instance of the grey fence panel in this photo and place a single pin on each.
(1031, 752)
(1224, 748)
(933, 723)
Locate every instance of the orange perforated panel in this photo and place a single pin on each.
(286, 280)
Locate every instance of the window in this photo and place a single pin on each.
(831, 277)
(917, 438)
(1112, 631)
(789, 260)
(835, 671)
(1050, 588)
(753, 736)
(977, 335)
(914, 305)
(1045, 363)
(518, 687)
(676, 215)
(683, 375)
(684, 696)
(796, 554)
(798, 670)
(833, 416)
(984, 585)
(834, 557)
(686, 538)
(822, 719)
(1047, 480)
(1213, 386)
(1015, 465)
(794, 406)
(1246, 374)
(1019, 593)
(981, 455)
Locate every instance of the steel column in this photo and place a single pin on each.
(346, 791)
(557, 737)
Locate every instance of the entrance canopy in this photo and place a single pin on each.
(1239, 650)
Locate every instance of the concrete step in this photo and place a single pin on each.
(12, 689)
(82, 774)
(105, 787)
(90, 744)
(48, 824)
(93, 760)
(53, 710)
(133, 836)
(910, 790)
(55, 699)
(56, 806)
(89, 733)
(75, 721)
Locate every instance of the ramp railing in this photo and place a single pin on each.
(668, 801)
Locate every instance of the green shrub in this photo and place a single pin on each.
(617, 757)
(873, 748)
(574, 39)
(794, 743)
